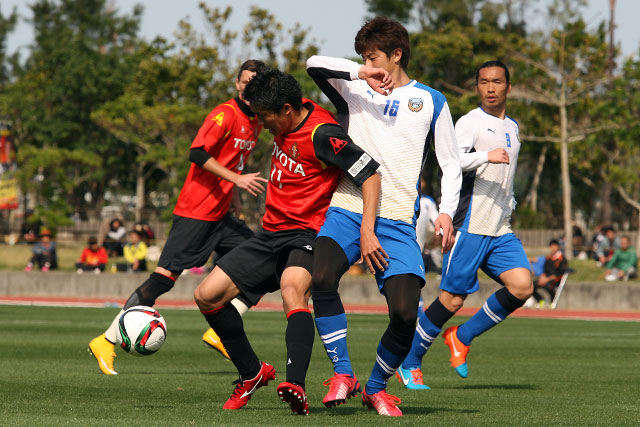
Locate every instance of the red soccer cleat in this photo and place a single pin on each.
(383, 402)
(245, 389)
(341, 388)
(295, 396)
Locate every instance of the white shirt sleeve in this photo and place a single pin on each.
(446, 149)
(466, 134)
(336, 71)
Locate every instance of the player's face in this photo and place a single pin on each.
(378, 59)
(493, 88)
(241, 83)
(275, 123)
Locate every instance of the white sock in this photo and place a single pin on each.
(110, 333)
(240, 306)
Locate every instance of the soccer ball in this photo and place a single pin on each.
(141, 331)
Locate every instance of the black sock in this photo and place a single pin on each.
(509, 301)
(438, 313)
(299, 338)
(227, 323)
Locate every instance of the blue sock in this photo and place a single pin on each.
(386, 365)
(491, 313)
(333, 333)
(426, 332)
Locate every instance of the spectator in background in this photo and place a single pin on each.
(555, 265)
(94, 257)
(114, 239)
(623, 263)
(606, 246)
(44, 253)
(146, 233)
(135, 252)
(29, 229)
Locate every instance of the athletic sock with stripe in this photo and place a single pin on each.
(497, 307)
(331, 322)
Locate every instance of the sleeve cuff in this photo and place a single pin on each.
(353, 71)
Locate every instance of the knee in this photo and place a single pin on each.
(404, 321)
(206, 300)
(452, 302)
(324, 280)
(521, 289)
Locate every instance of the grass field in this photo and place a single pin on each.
(524, 372)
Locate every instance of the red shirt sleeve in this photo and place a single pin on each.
(216, 127)
(83, 257)
(102, 256)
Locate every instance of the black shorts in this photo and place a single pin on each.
(192, 241)
(256, 265)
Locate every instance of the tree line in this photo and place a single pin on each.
(98, 112)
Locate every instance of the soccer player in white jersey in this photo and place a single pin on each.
(489, 145)
(393, 127)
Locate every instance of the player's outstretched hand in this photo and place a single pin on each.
(378, 79)
(499, 155)
(251, 182)
(444, 228)
(372, 252)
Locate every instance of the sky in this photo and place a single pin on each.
(331, 30)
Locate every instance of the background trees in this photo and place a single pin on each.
(98, 113)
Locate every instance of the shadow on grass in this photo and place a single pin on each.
(406, 409)
(496, 387)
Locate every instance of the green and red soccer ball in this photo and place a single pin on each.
(141, 331)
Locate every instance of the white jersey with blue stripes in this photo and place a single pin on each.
(392, 129)
(486, 198)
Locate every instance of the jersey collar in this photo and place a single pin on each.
(243, 107)
(309, 105)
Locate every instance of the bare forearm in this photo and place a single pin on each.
(370, 200)
(217, 169)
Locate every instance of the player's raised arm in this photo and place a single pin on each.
(446, 149)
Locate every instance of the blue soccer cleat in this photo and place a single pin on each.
(411, 378)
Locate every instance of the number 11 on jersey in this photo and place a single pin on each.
(278, 174)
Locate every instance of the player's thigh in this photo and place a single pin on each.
(398, 239)
(252, 266)
(215, 290)
(507, 263)
(233, 232)
(343, 227)
(460, 265)
(189, 244)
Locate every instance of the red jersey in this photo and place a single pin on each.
(228, 134)
(92, 258)
(306, 165)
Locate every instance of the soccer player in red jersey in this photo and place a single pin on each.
(310, 154)
(201, 219)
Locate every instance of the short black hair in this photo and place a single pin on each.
(494, 63)
(93, 240)
(252, 65)
(385, 34)
(554, 242)
(270, 89)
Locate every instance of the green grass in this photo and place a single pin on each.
(524, 372)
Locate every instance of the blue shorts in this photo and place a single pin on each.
(493, 254)
(397, 238)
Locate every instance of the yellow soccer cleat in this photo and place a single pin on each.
(102, 350)
(211, 339)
